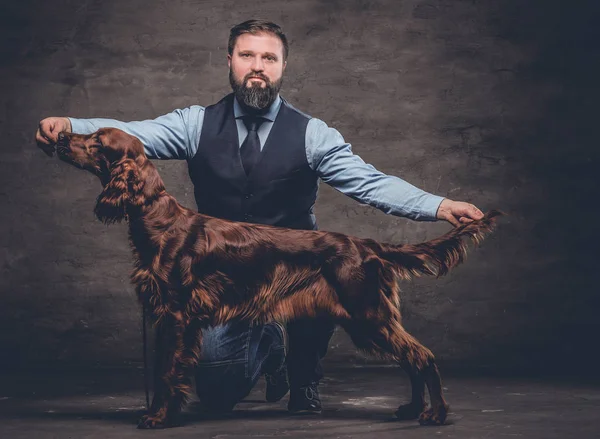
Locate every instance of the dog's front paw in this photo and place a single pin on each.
(408, 411)
(154, 422)
(434, 416)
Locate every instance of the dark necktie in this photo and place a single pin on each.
(250, 149)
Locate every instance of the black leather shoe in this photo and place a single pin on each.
(277, 385)
(305, 399)
(277, 382)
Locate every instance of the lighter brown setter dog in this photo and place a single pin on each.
(192, 271)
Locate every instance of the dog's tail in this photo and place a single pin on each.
(438, 256)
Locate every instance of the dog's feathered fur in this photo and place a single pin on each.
(192, 270)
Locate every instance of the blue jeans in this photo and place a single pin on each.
(233, 357)
(236, 354)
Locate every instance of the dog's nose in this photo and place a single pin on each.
(62, 139)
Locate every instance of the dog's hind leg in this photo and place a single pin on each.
(177, 352)
(389, 340)
(438, 412)
(419, 363)
(417, 404)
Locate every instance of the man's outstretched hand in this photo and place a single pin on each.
(458, 212)
(48, 130)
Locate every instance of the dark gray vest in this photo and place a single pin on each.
(281, 190)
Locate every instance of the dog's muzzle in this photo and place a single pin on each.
(62, 144)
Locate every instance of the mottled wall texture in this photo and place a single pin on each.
(491, 102)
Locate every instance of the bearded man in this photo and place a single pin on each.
(253, 157)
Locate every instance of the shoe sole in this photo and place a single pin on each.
(305, 412)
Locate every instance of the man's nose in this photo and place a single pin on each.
(258, 64)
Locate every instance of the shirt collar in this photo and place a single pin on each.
(238, 112)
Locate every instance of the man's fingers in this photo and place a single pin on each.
(50, 129)
(44, 144)
(56, 129)
(458, 212)
(47, 133)
(474, 212)
(452, 220)
(52, 133)
(469, 211)
(43, 131)
(40, 139)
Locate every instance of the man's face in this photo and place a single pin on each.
(256, 69)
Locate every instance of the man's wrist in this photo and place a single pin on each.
(69, 125)
(437, 212)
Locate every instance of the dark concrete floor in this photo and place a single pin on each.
(358, 403)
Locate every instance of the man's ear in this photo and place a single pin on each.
(229, 61)
(124, 189)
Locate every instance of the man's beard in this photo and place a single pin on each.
(255, 98)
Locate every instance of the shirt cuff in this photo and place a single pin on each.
(81, 126)
(431, 206)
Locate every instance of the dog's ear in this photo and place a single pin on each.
(124, 190)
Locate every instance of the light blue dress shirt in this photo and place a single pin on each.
(176, 136)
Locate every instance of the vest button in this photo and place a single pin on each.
(248, 196)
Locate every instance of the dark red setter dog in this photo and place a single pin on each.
(192, 270)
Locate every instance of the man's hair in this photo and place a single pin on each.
(255, 27)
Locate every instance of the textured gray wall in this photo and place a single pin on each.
(488, 102)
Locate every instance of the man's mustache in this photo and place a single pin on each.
(256, 75)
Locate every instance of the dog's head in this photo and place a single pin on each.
(100, 151)
(118, 159)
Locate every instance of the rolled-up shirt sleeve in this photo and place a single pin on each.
(333, 161)
(172, 136)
